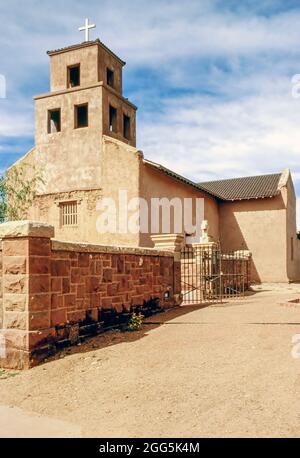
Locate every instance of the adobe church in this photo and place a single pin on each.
(85, 146)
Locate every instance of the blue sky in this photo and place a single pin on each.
(212, 79)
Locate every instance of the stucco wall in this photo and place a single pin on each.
(106, 60)
(94, 59)
(292, 242)
(46, 209)
(69, 159)
(261, 227)
(119, 167)
(87, 57)
(111, 97)
(154, 183)
(120, 172)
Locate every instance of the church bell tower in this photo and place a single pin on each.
(84, 104)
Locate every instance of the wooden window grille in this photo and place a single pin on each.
(69, 214)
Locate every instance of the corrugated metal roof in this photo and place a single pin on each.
(256, 187)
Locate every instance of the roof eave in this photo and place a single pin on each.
(176, 176)
(240, 199)
(84, 45)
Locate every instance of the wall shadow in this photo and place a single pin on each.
(116, 337)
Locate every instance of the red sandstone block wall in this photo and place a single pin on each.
(52, 289)
(89, 282)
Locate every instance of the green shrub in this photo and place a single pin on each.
(18, 187)
(135, 322)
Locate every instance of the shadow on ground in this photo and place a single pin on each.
(115, 337)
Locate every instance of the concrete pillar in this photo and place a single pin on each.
(26, 250)
(174, 243)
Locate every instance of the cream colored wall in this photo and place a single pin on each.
(47, 210)
(121, 165)
(70, 159)
(259, 226)
(87, 57)
(120, 170)
(94, 59)
(155, 183)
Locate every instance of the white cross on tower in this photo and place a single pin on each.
(86, 28)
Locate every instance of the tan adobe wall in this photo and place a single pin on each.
(69, 159)
(52, 290)
(110, 97)
(266, 227)
(260, 227)
(157, 184)
(106, 60)
(292, 242)
(87, 58)
(47, 209)
(93, 59)
(120, 171)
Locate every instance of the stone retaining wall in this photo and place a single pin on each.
(87, 281)
(52, 290)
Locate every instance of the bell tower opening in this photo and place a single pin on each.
(113, 117)
(126, 127)
(81, 116)
(110, 78)
(73, 76)
(54, 122)
(85, 104)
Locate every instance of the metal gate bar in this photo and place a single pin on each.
(208, 275)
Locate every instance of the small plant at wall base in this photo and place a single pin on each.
(135, 322)
(17, 192)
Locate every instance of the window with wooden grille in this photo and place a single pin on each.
(69, 214)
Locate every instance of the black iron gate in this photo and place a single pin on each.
(208, 275)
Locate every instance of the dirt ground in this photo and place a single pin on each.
(220, 371)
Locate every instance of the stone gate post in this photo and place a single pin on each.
(26, 248)
(174, 243)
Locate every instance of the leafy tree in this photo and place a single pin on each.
(17, 192)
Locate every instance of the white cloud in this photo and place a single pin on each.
(212, 138)
(15, 124)
(145, 33)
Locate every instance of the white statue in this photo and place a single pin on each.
(205, 238)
